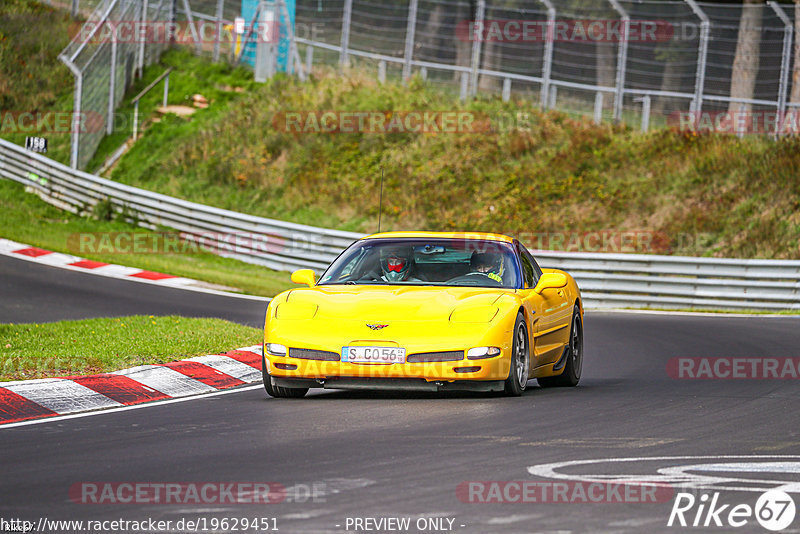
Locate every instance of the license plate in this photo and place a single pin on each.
(373, 355)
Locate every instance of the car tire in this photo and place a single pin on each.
(279, 391)
(571, 374)
(519, 369)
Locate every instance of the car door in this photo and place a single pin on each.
(549, 313)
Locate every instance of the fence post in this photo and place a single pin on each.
(74, 10)
(220, 7)
(347, 16)
(464, 85)
(76, 117)
(552, 95)
(112, 84)
(645, 100)
(506, 89)
(547, 60)
(788, 30)
(702, 55)
(622, 59)
(411, 31)
(142, 37)
(382, 71)
(195, 34)
(476, 48)
(309, 58)
(598, 107)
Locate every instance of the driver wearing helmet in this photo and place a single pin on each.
(397, 265)
(487, 263)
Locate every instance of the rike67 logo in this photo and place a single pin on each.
(774, 510)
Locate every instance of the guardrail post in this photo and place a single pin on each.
(702, 56)
(622, 59)
(552, 97)
(476, 47)
(74, 9)
(786, 58)
(382, 71)
(598, 107)
(547, 59)
(347, 16)
(464, 86)
(411, 31)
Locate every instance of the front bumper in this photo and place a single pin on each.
(488, 369)
(402, 384)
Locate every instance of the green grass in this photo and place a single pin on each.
(32, 78)
(92, 346)
(24, 217)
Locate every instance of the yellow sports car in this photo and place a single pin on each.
(426, 311)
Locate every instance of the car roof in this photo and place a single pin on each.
(443, 235)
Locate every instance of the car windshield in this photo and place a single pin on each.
(440, 262)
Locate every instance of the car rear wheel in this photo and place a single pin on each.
(279, 391)
(571, 374)
(520, 361)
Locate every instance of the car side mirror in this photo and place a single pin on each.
(305, 276)
(550, 281)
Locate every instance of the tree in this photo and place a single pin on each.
(746, 61)
(795, 95)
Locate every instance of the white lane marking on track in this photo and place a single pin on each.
(126, 408)
(679, 478)
(61, 396)
(229, 366)
(166, 380)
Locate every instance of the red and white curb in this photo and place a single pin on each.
(75, 263)
(48, 397)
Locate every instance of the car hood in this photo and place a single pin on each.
(392, 303)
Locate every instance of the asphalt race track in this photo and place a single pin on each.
(345, 456)
(33, 292)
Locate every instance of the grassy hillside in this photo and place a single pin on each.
(544, 173)
(549, 178)
(32, 79)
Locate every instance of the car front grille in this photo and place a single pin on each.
(311, 354)
(446, 356)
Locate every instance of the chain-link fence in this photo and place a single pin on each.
(104, 65)
(645, 62)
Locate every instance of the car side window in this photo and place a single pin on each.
(537, 271)
(528, 273)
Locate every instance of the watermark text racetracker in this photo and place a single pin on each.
(179, 243)
(188, 33)
(530, 492)
(452, 121)
(733, 368)
(148, 525)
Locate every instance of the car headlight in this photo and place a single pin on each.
(479, 353)
(276, 350)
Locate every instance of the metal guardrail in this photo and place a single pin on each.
(606, 280)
